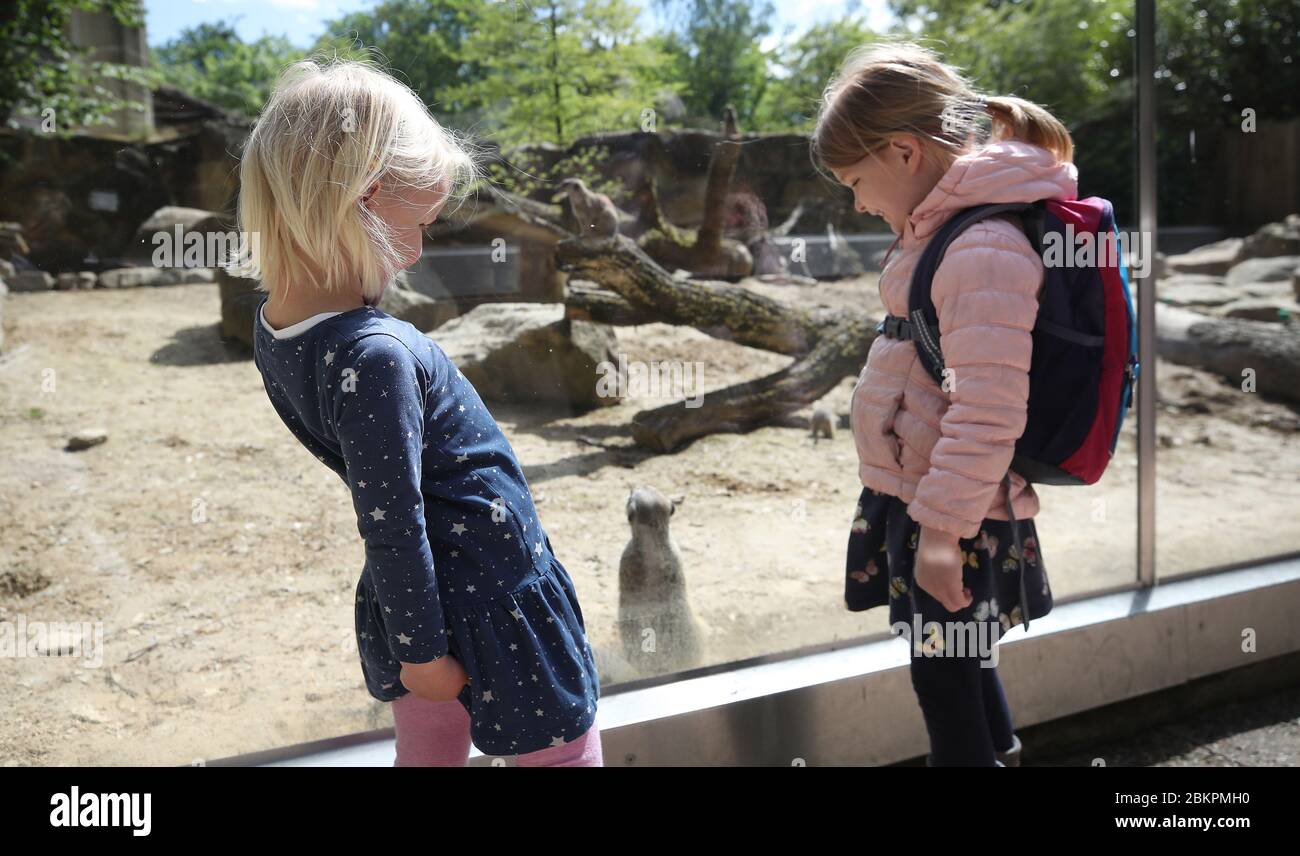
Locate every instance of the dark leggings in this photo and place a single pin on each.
(965, 710)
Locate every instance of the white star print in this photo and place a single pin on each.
(378, 514)
(458, 528)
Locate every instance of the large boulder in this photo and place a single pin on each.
(420, 310)
(1272, 309)
(4, 292)
(1264, 269)
(240, 298)
(1273, 239)
(239, 301)
(1213, 259)
(172, 224)
(1192, 290)
(530, 352)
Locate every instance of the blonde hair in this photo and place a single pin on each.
(329, 132)
(901, 87)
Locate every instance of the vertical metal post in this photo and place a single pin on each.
(1144, 61)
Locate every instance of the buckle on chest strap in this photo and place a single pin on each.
(895, 327)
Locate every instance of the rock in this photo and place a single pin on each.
(6, 269)
(1295, 282)
(1280, 289)
(138, 277)
(420, 310)
(240, 298)
(75, 281)
(86, 438)
(1214, 259)
(30, 280)
(529, 352)
(1193, 290)
(159, 231)
(11, 241)
(239, 301)
(1271, 269)
(1273, 239)
(4, 292)
(1260, 309)
(1160, 266)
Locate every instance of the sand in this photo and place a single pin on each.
(218, 558)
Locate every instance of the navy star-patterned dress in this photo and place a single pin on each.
(456, 559)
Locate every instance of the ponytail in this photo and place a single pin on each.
(1018, 119)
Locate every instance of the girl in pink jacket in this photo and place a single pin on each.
(931, 535)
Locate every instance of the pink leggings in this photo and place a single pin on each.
(436, 734)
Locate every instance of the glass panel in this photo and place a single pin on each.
(1228, 472)
(213, 575)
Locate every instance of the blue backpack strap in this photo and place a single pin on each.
(920, 308)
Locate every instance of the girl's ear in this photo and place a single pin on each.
(369, 194)
(908, 149)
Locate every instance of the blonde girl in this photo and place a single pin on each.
(465, 619)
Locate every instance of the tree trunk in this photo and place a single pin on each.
(827, 345)
(743, 407)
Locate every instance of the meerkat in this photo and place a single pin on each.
(656, 625)
(823, 424)
(595, 212)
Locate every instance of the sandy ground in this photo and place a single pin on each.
(220, 559)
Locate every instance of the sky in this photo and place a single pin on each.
(301, 21)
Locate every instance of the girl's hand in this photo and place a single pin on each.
(938, 569)
(441, 680)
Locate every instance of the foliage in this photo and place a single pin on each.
(211, 62)
(803, 68)
(716, 55)
(42, 71)
(553, 71)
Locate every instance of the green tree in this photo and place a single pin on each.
(210, 61)
(802, 70)
(556, 70)
(41, 70)
(423, 42)
(715, 47)
(1072, 57)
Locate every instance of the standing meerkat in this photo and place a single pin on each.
(596, 212)
(659, 632)
(823, 423)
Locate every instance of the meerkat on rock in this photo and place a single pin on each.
(658, 630)
(596, 212)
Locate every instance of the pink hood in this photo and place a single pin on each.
(946, 454)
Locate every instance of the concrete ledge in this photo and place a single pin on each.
(854, 705)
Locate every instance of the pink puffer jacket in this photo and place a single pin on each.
(946, 455)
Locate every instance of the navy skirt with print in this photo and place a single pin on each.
(878, 570)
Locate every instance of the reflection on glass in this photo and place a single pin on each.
(1228, 472)
(214, 565)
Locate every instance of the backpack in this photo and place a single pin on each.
(1084, 362)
